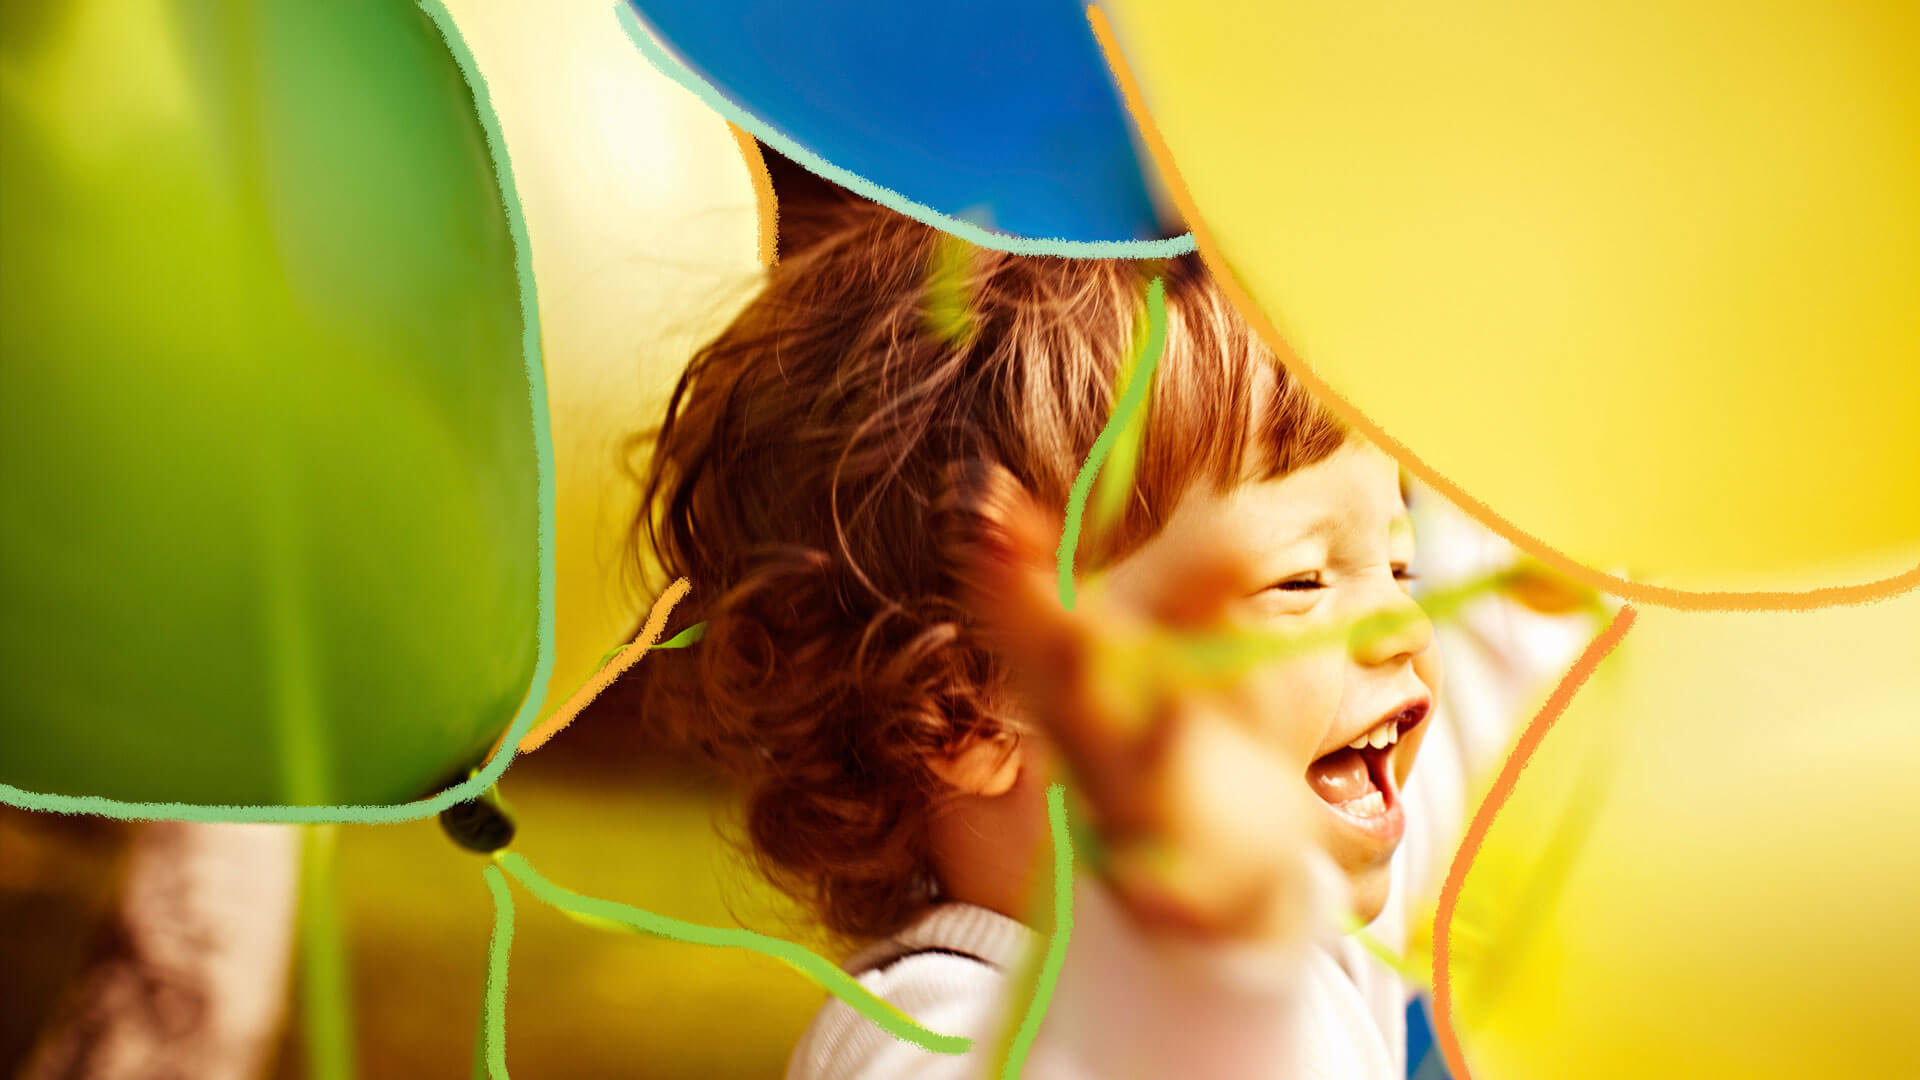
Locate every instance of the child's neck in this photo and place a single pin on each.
(985, 850)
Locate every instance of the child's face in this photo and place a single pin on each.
(1327, 545)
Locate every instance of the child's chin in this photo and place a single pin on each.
(1370, 893)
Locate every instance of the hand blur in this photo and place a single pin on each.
(1203, 827)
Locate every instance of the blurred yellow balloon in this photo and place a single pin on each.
(1642, 279)
(1708, 867)
(644, 224)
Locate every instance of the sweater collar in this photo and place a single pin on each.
(956, 927)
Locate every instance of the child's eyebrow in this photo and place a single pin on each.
(1333, 521)
(1322, 526)
(1329, 523)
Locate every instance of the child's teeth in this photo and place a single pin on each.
(1372, 804)
(1377, 737)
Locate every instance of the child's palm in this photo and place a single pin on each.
(1204, 825)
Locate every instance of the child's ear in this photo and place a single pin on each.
(987, 766)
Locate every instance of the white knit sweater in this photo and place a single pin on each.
(1127, 1006)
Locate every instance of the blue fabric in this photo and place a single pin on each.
(1419, 1034)
(999, 112)
(1424, 1060)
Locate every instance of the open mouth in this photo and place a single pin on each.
(1357, 779)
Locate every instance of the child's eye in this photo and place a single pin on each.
(1302, 583)
(1403, 572)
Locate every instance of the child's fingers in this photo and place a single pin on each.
(1068, 666)
(1197, 591)
(996, 540)
(1021, 606)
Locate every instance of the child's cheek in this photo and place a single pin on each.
(1430, 671)
(1427, 667)
(1302, 702)
(1408, 753)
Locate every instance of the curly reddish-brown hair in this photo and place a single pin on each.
(803, 481)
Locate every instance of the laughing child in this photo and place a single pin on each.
(863, 479)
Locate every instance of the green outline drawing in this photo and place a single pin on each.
(1139, 376)
(667, 64)
(612, 915)
(493, 1029)
(543, 453)
(1056, 954)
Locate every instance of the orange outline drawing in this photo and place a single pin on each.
(628, 655)
(1530, 739)
(768, 216)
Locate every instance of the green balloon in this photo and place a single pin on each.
(269, 481)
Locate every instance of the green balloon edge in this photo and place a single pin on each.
(489, 774)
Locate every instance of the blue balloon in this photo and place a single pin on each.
(994, 120)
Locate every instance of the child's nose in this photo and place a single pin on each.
(1397, 629)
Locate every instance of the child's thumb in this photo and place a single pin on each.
(999, 543)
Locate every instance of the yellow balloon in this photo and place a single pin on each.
(1639, 279)
(1708, 867)
(643, 220)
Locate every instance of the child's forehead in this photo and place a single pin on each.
(1356, 488)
